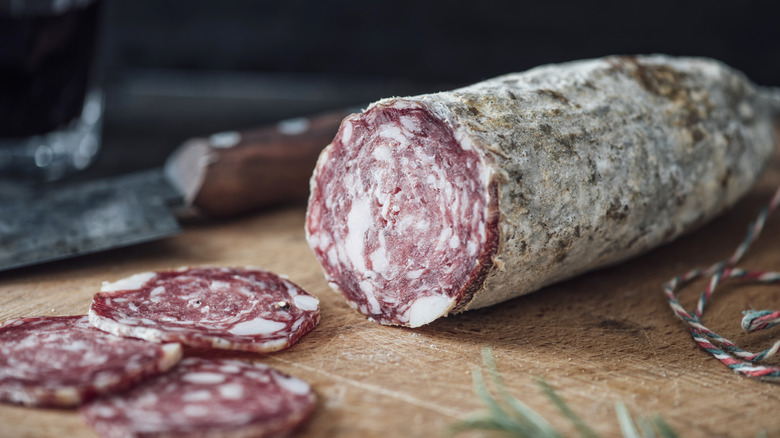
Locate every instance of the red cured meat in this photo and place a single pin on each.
(62, 361)
(400, 223)
(244, 309)
(206, 398)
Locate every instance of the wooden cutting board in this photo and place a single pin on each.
(602, 337)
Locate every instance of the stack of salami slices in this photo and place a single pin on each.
(123, 362)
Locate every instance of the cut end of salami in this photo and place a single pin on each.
(399, 214)
(206, 398)
(245, 309)
(62, 361)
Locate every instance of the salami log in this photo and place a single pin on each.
(206, 398)
(435, 204)
(61, 361)
(244, 309)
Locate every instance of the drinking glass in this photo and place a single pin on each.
(51, 105)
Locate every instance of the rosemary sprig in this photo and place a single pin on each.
(508, 415)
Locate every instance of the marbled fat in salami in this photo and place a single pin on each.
(206, 398)
(398, 213)
(435, 204)
(61, 361)
(244, 309)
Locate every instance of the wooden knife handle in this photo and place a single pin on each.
(230, 173)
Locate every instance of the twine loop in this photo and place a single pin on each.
(755, 320)
(739, 360)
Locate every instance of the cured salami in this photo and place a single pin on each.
(61, 361)
(244, 309)
(435, 204)
(206, 398)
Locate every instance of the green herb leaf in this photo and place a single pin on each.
(584, 429)
(626, 423)
(508, 415)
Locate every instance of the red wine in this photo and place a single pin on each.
(46, 63)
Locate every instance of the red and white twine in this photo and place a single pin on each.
(739, 360)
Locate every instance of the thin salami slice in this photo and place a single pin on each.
(431, 205)
(244, 309)
(62, 361)
(206, 398)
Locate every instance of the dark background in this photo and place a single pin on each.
(175, 69)
(453, 41)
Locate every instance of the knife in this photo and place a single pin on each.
(223, 175)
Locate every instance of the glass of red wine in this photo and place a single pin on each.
(51, 107)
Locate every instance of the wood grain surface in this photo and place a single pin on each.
(606, 336)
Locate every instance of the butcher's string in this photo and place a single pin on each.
(739, 360)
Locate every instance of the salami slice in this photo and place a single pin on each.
(435, 204)
(206, 398)
(244, 309)
(61, 361)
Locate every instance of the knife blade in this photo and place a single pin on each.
(219, 176)
(87, 217)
